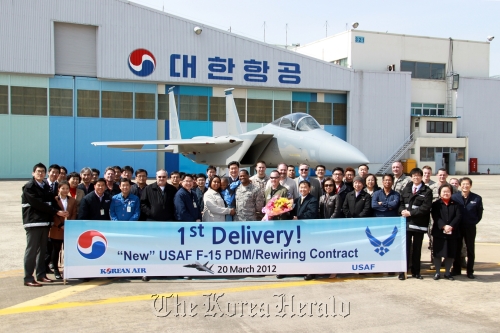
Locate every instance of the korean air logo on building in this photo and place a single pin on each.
(141, 62)
(92, 244)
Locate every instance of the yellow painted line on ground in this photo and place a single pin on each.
(13, 273)
(60, 294)
(136, 298)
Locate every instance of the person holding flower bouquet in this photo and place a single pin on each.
(271, 194)
(306, 208)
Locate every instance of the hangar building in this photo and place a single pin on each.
(71, 74)
(453, 99)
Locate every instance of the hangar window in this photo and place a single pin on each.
(420, 109)
(29, 101)
(61, 102)
(340, 62)
(322, 112)
(241, 107)
(163, 106)
(439, 127)
(87, 103)
(281, 108)
(340, 114)
(144, 106)
(4, 99)
(193, 108)
(460, 153)
(299, 107)
(217, 109)
(427, 153)
(424, 70)
(260, 110)
(116, 104)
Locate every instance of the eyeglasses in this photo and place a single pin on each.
(337, 174)
(161, 176)
(304, 169)
(274, 177)
(328, 185)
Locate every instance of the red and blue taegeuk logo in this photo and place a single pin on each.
(141, 62)
(92, 244)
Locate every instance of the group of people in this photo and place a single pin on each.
(50, 198)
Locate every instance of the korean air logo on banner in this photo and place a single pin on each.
(141, 62)
(92, 244)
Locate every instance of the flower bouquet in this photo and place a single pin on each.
(277, 206)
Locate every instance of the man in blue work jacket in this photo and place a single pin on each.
(125, 206)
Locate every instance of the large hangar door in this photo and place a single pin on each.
(75, 49)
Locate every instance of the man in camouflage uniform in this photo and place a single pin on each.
(249, 199)
(400, 180)
(260, 179)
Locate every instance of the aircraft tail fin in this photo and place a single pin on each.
(232, 118)
(174, 128)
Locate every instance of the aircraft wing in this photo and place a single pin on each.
(194, 145)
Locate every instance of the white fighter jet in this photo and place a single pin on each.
(292, 139)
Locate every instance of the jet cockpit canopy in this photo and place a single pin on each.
(297, 122)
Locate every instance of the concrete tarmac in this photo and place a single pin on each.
(374, 302)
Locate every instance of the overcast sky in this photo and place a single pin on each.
(306, 19)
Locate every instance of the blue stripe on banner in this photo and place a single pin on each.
(100, 248)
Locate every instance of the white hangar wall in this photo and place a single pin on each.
(182, 56)
(378, 121)
(478, 107)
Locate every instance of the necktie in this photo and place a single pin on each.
(301, 200)
(414, 190)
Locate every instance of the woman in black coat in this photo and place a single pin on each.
(445, 230)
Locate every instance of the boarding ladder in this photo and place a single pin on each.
(407, 144)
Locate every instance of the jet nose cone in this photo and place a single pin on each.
(338, 153)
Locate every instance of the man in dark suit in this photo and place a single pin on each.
(415, 205)
(306, 208)
(340, 190)
(38, 207)
(357, 203)
(52, 176)
(141, 178)
(86, 185)
(112, 188)
(157, 199)
(95, 205)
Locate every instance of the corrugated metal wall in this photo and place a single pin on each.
(27, 27)
(478, 108)
(378, 116)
